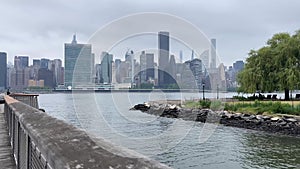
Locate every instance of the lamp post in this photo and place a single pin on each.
(203, 85)
(218, 91)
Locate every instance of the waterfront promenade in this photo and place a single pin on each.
(41, 141)
(6, 158)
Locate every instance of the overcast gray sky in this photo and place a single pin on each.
(40, 28)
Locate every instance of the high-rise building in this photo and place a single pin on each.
(238, 66)
(47, 76)
(172, 68)
(205, 58)
(196, 68)
(98, 74)
(192, 57)
(118, 70)
(181, 56)
(106, 67)
(19, 78)
(213, 54)
(45, 63)
(163, 57)
(150, 66)
(21, 62)
(129, 59)
(56, 67)
(3, 70)
(78, 63)
(36, 63)
(143, 68)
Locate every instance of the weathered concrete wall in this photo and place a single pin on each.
(65, 146)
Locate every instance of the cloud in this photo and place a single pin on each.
(39, 28)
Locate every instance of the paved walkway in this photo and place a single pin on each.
(6, 159)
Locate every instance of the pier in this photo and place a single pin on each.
(32, 139)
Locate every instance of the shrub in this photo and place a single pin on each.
(216, 105)
(204, 104)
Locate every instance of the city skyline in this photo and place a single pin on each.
(39, 33)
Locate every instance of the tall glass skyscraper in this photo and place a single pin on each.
(3, 70)
(79, 63)
(163, 57)
(106, 67)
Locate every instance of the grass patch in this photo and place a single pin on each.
(258, 107)
(250, 107)
(205, 104)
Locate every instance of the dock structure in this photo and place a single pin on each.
(32, 139)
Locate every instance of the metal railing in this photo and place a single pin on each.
(26, 153)
(40, 141)
(30, 99)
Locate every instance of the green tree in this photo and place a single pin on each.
(275, 66)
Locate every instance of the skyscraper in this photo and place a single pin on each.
(163, 57)
(213, 54)
(56, 67)
(150, 66)
(46, 75)
(36, 63)
(238, 65)
(143, 64)
(106, 67)
(78, 63)
(21, 62)
(3, 70)
(181, 56)
(205, 58)
(172, 68)
(45, 63)
(20, 74)
(196, 68)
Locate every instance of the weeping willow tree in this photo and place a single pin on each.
(275, 66)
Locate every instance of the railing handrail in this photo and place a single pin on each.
(41, 140)
(30, 99)
(23, 94)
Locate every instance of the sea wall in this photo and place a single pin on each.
(41, 140)
(289, 125)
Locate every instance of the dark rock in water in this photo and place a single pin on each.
(141, 107)
(171, 112)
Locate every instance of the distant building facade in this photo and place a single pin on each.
(79, 63)
(47, 76)
(150, 66)
(205, 58)
(163, 57)
(238, 65)
(21, 62)
(106, 67)
(3, 71)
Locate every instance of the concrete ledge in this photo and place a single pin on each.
(65, 146)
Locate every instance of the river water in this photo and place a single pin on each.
(177, 143)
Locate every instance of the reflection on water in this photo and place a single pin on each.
(176, 143)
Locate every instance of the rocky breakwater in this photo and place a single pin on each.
(283, 124)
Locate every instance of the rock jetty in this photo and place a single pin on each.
(289, 125)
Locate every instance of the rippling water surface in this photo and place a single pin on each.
(177, 143)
